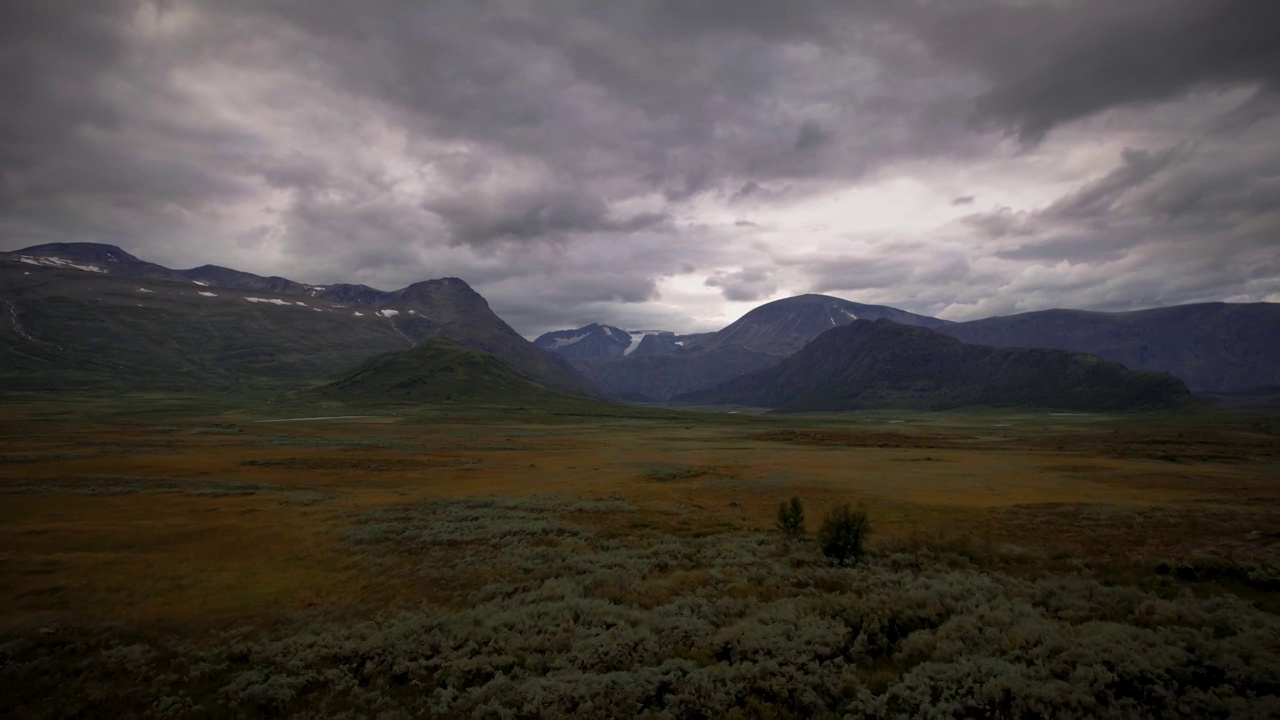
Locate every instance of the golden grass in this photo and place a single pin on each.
(186, 557)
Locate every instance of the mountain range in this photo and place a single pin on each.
(868, 364)
(85, 315)
(761, 338)
(1213, 347)
(1222, 349)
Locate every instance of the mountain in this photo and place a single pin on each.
(85, 315)
(594, 342)
(660, 377)
(664, 366)
(784, 326)
(661, 342)
(1213, 347)
(438, 370)
(883, 364)
(238, 280)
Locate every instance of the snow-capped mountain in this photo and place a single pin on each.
(662, 364)
(596, 342)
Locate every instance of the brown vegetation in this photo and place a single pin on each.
(214, 547)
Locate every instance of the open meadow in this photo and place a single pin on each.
(174, 556)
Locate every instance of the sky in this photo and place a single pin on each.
(664, 164)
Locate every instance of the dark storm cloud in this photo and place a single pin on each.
(50, 54)
(1217, 190)
(677, 97)
(547, 213)
(1186, 224)
(1052, 62)
(912, 265)
(1264, 103)
(1001, 222)
(1152, 196)
(743, 285)
(811, 136)
(1100, 196)
(562, 155)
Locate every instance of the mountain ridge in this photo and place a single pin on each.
(763, 336)
(98, 313)
(221, 325)
(1214, 347)
(873, 364)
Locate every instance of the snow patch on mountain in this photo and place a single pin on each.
(201, 284)
(561, 342)
(637, 336)
(273, 301)
(144, 290)
(388, 313)
(206, 293)
(58, 263)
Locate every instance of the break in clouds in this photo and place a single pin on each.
(662, 164)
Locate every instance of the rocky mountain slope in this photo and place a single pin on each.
(82, 314)
(663, 367)
(597, 342)
(883, 364)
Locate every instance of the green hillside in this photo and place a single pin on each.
(883, 364)
(87, 316)
(439, 370)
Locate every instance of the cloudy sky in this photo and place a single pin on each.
(662, 164)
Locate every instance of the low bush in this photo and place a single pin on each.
(573, 618)
(843, 534)
(791, 519)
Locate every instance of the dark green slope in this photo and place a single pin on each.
(459, 313)
(83, 315)
(439, 370)
(101, 333)
(659, 377)
(1213, 347)
(883, 364)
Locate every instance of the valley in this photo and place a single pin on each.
(640, 361)
(234, 495)
(188, 555)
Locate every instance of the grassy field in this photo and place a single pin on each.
(183, 556)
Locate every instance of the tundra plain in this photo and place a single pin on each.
(185, 556)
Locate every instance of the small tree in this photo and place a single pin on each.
(842, 534)
(791, 518)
